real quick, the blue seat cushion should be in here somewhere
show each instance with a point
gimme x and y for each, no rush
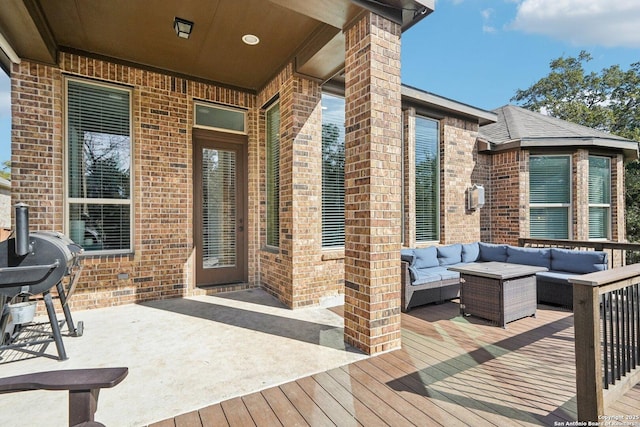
(560, 277)
(450, 254)
(470, 252)
(423, 276)
(425, 257)
(578, 261)
(540, 257)
(492, 252)
(407, 255)
(446, 274)
(431, 275)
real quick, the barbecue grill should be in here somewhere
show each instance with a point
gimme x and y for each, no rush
(32, 264)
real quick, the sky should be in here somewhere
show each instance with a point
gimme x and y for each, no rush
(480, 52)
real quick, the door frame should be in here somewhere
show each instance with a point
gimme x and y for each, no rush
(202, 138)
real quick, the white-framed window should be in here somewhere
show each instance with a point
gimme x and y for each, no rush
(427, 179)
(273, 174)
(219, 117)
(333, 134)
(550, 196)
(599, 197)
(98, 166)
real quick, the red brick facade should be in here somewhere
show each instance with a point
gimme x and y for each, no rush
(379, 183)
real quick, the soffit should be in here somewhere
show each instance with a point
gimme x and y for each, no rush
(141, 32)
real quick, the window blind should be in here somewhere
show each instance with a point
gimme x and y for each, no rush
(427, 146)
(218, 208)
(333, 132)
(549, 196)
(599, 197)
(273, 175)
(98, 166)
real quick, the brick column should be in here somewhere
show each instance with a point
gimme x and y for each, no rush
(580, 195)
(300, 188)
(409, 202)
(618, 226)
(372, 185)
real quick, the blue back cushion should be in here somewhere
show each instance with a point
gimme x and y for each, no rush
(407, 255)
(540, 257)
(450, 254)
(470, 252)
(578, 261)
(426, 257)
(491, 252)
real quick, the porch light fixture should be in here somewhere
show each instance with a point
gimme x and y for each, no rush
(475, 197)
(250, 39)
(183, 27)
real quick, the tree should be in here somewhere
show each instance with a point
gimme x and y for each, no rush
(5, 172)
(608, 101)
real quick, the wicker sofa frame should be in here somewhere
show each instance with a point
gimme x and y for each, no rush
(549, 291)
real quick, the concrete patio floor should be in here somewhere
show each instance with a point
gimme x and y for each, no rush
(182, 354)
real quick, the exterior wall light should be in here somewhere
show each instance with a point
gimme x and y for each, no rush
(475, 197)
(183, 27)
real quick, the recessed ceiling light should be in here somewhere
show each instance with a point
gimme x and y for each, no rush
(250, 39)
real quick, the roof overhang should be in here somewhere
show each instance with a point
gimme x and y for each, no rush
(435, 104)
(628, 148)
(309, 33)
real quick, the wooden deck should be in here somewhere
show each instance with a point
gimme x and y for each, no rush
(451, 371)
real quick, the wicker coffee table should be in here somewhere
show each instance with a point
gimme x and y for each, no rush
(498, 291)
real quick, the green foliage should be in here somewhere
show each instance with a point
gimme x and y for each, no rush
(608, 101)
(5, 172)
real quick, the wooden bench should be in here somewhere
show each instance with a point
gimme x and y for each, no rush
(83, 385)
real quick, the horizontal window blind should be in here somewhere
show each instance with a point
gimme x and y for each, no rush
(273, 175)
(427, 180)
(549, 223)
(550, 179)
(218, 208)
(599, 197)
(99, 166)
(549, 196)
(332, 170)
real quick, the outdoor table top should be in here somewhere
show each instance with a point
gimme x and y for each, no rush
(497, 270)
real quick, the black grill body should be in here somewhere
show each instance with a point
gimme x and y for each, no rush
(31, 265)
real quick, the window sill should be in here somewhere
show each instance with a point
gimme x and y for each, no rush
(332, 254)
(102, 254)
(271, 249)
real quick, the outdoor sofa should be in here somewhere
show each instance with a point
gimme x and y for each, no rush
(427, 279)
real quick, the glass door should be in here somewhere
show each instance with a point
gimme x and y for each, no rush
(219, 193)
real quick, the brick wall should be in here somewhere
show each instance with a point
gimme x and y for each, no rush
(508, 209)
(299, 272)
(460, 170)
(162, 109)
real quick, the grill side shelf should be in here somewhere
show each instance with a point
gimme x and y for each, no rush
(13, 276)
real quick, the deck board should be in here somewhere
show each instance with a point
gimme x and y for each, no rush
(260, 411)
(451, 371)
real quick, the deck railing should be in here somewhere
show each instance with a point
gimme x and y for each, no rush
(620, 254)
(606, 307)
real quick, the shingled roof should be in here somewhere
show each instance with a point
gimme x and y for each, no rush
(518, 127)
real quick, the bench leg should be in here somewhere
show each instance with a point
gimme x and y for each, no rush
(82, 406)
